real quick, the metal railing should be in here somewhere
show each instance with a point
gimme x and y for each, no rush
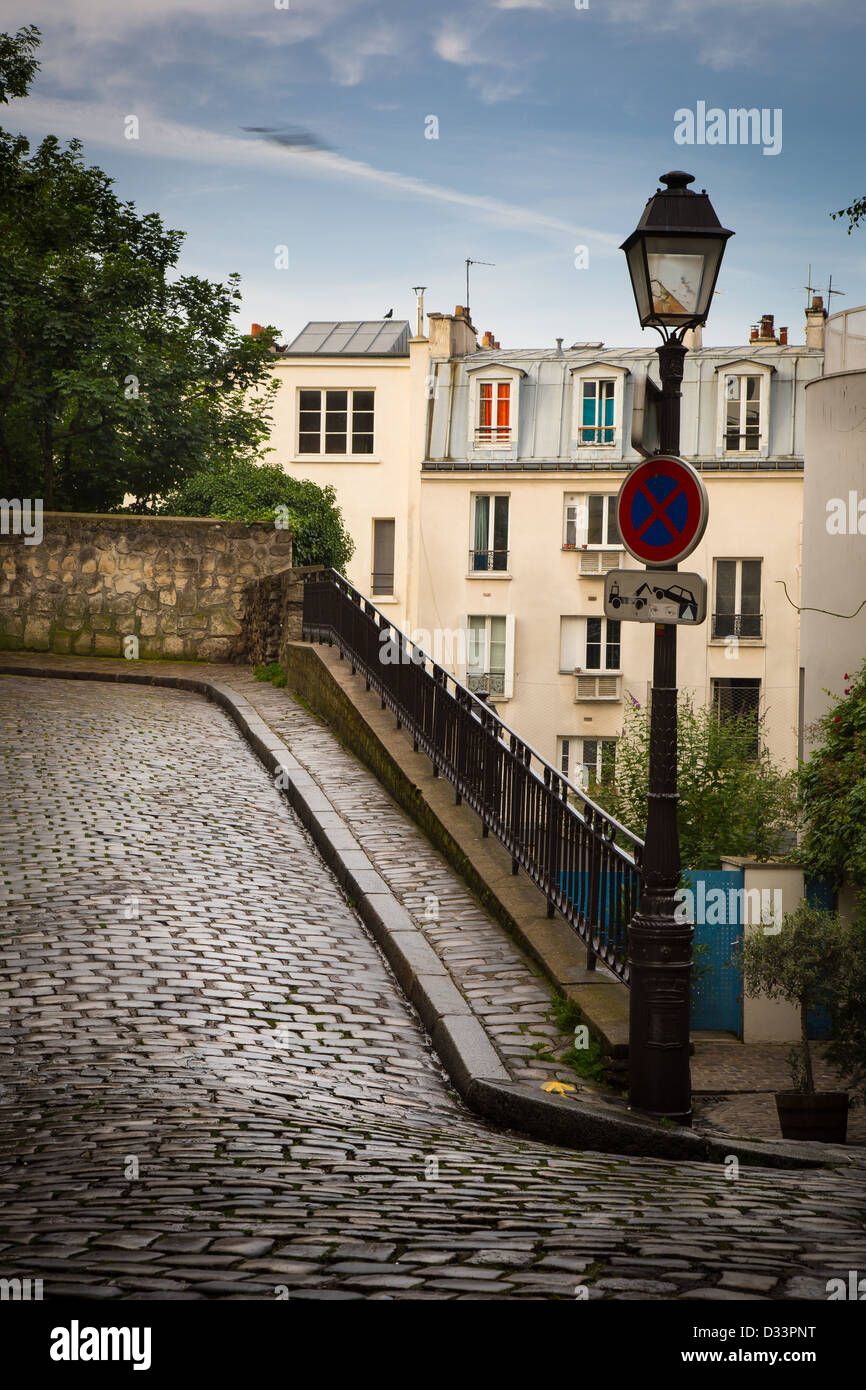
(737, 625)
(488, 560)
(585, 863)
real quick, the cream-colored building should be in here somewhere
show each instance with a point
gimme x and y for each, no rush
(526, 453)
(478, 484)
(344, 416)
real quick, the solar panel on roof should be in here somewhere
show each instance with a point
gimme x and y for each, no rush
(377, 337)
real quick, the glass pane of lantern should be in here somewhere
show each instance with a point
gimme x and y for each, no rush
(675, 282)
(637, 271)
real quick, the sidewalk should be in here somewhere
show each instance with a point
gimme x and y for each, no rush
(733, 1083)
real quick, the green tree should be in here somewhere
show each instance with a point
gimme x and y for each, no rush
(855, 214)
(246, 491)
(832, 786)
(116, 377)
(806, 963)
(733, 800)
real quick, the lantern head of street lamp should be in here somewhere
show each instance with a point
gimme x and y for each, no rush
(674, 255)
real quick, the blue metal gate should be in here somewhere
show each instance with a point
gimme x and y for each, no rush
(716, 909)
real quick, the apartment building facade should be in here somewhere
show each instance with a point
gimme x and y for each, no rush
(479, 485)
(526, 452)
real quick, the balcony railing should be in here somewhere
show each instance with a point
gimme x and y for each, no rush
(737, 625)
(585, 863)
(382, 582)
(493, 434)
(486, 682)
(482, 560)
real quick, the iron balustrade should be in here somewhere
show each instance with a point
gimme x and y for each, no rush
(488, 560)
(737, 625)
(587, 865)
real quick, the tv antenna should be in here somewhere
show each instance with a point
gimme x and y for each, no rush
(469, 262)
(830, 291)
(810, 288)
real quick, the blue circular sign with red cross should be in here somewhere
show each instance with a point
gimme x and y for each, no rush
(662, 510)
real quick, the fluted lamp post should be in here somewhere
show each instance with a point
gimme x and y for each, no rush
(673, 257)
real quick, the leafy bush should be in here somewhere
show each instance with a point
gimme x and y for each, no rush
(832, 786)
(807, 963)
(245, 491)
(274, 673)
(732, 799)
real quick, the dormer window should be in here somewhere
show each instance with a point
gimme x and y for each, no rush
(597, 407)
(742, 413)
(494, 413)
(744, 409)
(597, 412)
(494, 406)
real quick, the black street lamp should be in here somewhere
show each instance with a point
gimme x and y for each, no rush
(673, 256)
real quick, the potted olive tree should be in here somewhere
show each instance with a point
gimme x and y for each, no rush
(805, 962)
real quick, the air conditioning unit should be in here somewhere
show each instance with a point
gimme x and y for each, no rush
(599, 561)
(597, 688)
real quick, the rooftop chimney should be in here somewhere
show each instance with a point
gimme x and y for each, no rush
(766, 335)
(451, 335)
(255, 330)
(815, 317)
(783, 337)
(559, 343)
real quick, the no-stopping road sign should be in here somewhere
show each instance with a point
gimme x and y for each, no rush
(662, 510)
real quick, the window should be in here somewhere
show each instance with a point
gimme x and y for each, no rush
(597, 412)
(490, 655)
(589, 644)
(602, 644)
(335, 422)
(489, 533)
(590, 519)
(382, 578)
(588, 761)
(739, 699)
(737, 610)
(742, 413)
(494, 413)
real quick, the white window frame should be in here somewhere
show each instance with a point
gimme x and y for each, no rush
(382, 595)
(489, 573)
(743, 368)
(579, 641)
(738, 560)
(464, 652)
(597, 371)
(579, 501)
(576, 756)
(494, 372)
(348, 457)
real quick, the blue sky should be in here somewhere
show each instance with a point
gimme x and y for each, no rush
(554, 125)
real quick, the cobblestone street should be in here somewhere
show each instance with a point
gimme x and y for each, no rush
(212, 1086)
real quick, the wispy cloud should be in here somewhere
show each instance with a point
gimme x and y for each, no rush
(172, 140)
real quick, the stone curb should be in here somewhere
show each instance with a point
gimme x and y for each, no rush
(460, 1040)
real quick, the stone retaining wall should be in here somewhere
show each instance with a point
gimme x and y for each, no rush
(274, 609)
(176, 584)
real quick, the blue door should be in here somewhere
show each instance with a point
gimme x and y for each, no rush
(716, 909)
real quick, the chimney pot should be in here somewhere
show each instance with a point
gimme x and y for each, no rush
(255, 330)
(753, 335)
(783, 337)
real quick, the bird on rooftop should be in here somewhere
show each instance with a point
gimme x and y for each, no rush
(390, 314)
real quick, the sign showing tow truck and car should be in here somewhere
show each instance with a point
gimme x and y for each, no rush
(655, 596)
(661, 511)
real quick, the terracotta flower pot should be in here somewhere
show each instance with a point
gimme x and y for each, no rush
(823, 1117)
